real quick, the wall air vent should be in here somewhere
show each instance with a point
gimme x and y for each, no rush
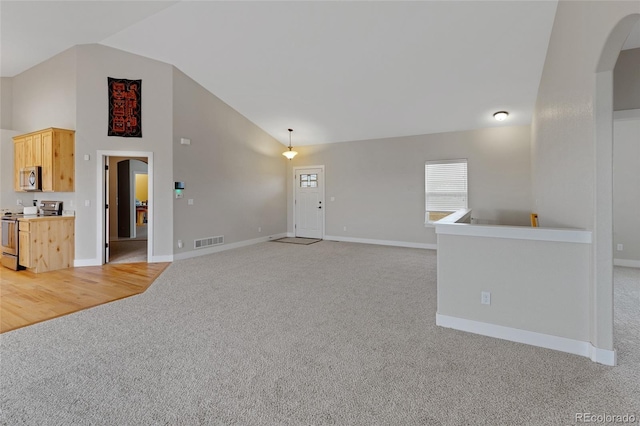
(208, 242)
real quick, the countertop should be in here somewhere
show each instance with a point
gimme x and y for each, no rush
(30, 218)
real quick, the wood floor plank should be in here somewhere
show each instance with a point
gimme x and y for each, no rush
(27, 298)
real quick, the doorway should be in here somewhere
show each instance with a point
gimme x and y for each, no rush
(308, 204)
(125, 184)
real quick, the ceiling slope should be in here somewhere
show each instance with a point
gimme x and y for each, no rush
(340, 71)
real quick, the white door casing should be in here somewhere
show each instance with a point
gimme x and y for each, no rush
(309, 205)
(101, 190)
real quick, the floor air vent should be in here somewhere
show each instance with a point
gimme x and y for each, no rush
(208, 242)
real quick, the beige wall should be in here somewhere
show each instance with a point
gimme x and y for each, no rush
(42, 96)
(379, 185)
(45, 95)
(626, 80)
(95, 64)
(571, 137)
(563, 127)
(626, 188)
(233, 171)
(6, 103)
(538, 286)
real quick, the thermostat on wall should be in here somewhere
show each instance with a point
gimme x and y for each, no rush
(179, 185)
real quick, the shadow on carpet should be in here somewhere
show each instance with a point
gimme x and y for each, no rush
(297, 240)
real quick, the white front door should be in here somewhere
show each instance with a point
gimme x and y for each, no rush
(309, 202)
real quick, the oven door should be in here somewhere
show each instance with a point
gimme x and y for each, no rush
(10, 237)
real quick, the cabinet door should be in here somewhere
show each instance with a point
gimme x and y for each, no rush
(18, 162)
(36, 150)
(47, 161)
(28, 147)
(24, 243)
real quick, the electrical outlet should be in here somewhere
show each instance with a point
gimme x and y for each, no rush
(19, 203)
(345, 228)
(190, 201)
(179, 243)
(620, 247)
(259, 228)
(485, 298)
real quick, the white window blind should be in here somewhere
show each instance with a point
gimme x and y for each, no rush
(445, 185)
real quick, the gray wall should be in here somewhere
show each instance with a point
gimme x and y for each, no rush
(563, 126)
(378, 185)
(95, 64)
(626, 189)
(233, 171)
(6, 103)
(42, 96)
(45, 95)
(538, 286)
(567, 118)
(626, 80)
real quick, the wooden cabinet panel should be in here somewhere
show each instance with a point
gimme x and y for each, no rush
(24, 255)
(18, 161)
(35, 152)
(52, 149)
(47, 161)
(47, 244)
(63, 163)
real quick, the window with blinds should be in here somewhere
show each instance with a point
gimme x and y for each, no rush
(445, 185)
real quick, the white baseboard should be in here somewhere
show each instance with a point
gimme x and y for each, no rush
(627, 262)
(382, 242)
(576, 347)
(223, 247)
(77, 263)
(163, 258)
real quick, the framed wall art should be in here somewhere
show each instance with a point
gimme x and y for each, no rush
(125, 108)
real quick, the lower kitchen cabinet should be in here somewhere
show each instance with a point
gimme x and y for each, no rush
(46, 243)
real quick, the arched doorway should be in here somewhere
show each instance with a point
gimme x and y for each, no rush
(602, 295)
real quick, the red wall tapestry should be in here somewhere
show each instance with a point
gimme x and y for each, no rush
(125, 107)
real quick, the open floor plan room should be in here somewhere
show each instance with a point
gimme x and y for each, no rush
(327, 333)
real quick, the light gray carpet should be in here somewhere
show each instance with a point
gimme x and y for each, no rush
(269, 334)
(297, 240)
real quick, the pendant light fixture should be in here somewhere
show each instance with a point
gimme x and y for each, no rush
(290, 154)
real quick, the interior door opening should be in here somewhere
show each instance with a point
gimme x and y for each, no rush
(127, 229)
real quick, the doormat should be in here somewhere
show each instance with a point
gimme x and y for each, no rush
(297, 240)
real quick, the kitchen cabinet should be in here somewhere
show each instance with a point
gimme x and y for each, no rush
(46, 243)
(52, 149)
(18, 161)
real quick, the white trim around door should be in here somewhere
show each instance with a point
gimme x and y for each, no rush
(101, 163)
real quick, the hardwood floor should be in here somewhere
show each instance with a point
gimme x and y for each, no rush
(27, 298)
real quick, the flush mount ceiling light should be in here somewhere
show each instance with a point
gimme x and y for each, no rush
(290, 154)
(501, 115)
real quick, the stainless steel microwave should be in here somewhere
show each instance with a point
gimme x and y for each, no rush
(31, 178)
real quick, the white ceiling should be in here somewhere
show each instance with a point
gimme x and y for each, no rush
(332, 71)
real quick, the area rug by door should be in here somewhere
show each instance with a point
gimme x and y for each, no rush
(297, 240)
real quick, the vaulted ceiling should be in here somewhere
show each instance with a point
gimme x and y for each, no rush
(332, 71)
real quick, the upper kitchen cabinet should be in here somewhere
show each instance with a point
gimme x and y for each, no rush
(52, 149)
